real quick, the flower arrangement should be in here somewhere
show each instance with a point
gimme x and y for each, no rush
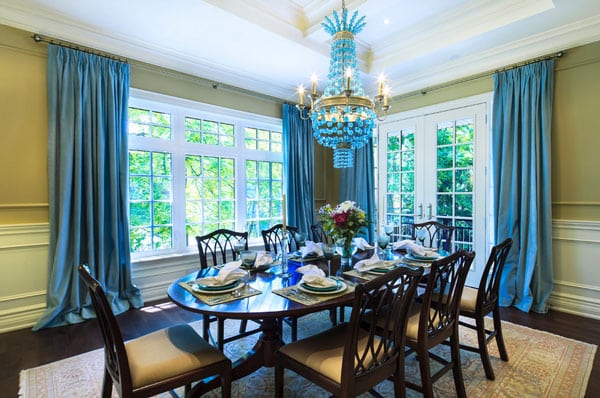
(342, 223)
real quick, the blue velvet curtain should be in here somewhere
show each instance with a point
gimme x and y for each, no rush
(358, 184)
(298, 166)
(521, 177)
(87, 166)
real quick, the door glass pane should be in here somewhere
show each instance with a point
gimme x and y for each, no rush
(455, 156)
(400, 177)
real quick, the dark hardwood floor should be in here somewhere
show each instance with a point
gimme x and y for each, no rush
(24, 349)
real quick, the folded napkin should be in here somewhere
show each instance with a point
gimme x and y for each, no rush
(311, 249)
(410, 247)
(315, 276)
(369, 263)
(229, 273)
(262, 259)
(362, 244)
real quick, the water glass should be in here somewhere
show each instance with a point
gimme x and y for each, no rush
(328, 253)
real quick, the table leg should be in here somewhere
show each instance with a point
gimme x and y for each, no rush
(262, 354)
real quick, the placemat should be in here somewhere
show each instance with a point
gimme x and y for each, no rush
(214, 299)
(299, 296)
(362, 275)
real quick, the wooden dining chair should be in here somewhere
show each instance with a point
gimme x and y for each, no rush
(156, 362)
(352, 358)
(218, 247)
(438, 235)
(272, 238)
(319, 234)
(434, 320)
(476, 303)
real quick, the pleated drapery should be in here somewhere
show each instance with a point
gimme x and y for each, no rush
(298, 166)
(521, 177)
(88, 172)
(358, 184)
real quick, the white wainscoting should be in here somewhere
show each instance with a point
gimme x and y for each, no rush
(576, 254)
(24, 251)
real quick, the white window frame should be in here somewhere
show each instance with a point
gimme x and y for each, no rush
(180, 108)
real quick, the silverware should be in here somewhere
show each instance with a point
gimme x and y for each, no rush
(295, 292)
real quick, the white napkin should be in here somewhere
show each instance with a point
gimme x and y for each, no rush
(315, 276)
(229, 273)
(311, 249)
(369, 263)
(362, 244)
(262, 259)
(410, 247)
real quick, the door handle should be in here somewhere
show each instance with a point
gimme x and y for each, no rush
(429, 211)
(420, 214)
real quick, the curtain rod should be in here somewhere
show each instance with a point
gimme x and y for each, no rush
(39, 39)
(424, 91)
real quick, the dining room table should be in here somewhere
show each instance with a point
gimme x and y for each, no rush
(266, 298)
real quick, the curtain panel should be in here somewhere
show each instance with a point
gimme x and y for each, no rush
(298, 167)
(358, 184)
(88, 184)
(522, 115)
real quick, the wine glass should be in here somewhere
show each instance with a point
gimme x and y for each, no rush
(239, 245)
(383, 240)
(388, 229)
(421, 235)
(328, 252)
(300, 239)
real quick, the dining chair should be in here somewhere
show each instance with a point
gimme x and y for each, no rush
(351, 358)
(156, 362)
(436, 235)
(319, 234)
(218, 247)
(272, 238)
(434, 319)
(476, 303)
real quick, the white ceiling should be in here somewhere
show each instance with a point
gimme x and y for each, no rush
(272, 46)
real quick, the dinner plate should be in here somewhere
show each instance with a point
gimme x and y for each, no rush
(341, 287)
(379, 270)
(196, 288)
(216, 288)
(428, 259)
(316, 288)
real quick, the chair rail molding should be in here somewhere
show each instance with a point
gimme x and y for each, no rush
(576, 249)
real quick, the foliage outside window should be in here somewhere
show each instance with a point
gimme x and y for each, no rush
(194, 168)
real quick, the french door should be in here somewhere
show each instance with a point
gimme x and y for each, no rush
(432, 166)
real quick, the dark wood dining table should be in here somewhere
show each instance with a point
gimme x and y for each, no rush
(267, 308)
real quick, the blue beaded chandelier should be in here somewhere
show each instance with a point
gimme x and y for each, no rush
(343, 118)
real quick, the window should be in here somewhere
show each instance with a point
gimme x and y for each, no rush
(194, 168)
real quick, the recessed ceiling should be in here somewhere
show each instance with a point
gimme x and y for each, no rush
(272, 46)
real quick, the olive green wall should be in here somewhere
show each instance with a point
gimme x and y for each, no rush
(575, 131)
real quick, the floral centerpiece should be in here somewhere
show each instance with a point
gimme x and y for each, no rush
(342, 223)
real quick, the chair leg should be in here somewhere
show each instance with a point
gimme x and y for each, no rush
(220, 333)
(426, 382)
(333, 316)
(206, 327)
(279, 381)
(243, 325)
(294, 327)
(226, 384)
(459, 382)
(483, 351)
(107, 384)
(499, 336)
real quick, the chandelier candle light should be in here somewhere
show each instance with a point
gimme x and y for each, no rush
(343, 118)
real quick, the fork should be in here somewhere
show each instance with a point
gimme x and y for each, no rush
(295, 292)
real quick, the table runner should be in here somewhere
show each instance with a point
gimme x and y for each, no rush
(214, 299)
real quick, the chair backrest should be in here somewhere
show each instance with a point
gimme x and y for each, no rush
(489, 285)
(441, 300)
(218, 246)
(438, 235)
(115, 356)
(372, 346)
(319, 234)
(272, 238)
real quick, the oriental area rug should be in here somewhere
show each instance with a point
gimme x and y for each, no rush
(540, 364)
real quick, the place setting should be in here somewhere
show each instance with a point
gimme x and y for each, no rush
(372, 267)
(315, 286)
(229, 284)
(417, 254)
